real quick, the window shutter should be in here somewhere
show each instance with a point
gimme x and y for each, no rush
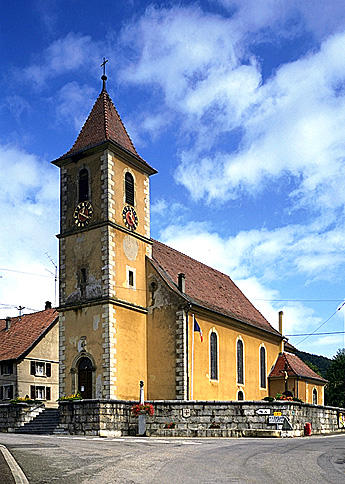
(48, 369)
(1, 393)
(10, 393)
(32, 392)
(129, 188)
(2, 369)
(47, 393)
(33, 368)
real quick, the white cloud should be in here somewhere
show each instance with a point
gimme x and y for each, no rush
(74, 103)
(159, 207)
(319, 17)
(69, 53)
(29, 204)
(291, 124)
(260, 260)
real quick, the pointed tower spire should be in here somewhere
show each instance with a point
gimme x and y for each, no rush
(103, 125)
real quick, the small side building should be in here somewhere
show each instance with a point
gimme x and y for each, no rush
(291, 374)
(29, 357)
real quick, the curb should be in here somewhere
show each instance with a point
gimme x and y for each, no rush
(17, 473)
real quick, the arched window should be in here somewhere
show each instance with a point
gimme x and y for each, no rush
(214, 356)
(240, 395)
(263, 367)
(129, 188)
(83, 185)
(240, 363)
(314, 396)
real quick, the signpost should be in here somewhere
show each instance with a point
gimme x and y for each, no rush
(263, 411)
(281, 421)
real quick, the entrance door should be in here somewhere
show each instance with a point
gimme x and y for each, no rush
(85, 377)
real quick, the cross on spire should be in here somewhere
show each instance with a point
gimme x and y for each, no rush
(104, 77)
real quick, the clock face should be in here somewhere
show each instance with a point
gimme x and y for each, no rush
(82, 214)
(130, 217)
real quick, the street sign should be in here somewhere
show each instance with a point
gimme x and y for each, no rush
(276, 419)
(277, 414)
(263, 411)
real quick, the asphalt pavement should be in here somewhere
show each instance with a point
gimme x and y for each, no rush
(77, 459)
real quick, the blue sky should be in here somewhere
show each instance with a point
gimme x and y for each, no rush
(240, 106)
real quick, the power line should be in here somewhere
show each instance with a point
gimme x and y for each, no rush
(300, 300)
(315, 334)
(23, 272)
(335, 312)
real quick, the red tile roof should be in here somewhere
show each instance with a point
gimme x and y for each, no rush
(295, 367)
(24, 333)
(103, 124)
(207, 287)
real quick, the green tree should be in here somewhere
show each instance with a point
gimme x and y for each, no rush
(335, 392)
(313, 367)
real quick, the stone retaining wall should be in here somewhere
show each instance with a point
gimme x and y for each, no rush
(179, 418)
(13, 416)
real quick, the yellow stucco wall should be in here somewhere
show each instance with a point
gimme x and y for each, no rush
(79, 324)
(300, 388)
(47, 350)
(114, 337)
(130, 353)
(226, 387)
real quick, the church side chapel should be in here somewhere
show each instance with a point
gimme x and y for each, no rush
(132, 308)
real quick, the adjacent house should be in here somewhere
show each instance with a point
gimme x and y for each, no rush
(29, 356)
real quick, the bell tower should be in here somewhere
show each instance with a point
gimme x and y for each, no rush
(103, 242)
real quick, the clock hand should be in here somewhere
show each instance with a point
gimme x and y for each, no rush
(83, 214)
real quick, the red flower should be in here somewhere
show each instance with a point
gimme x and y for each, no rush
(143, 409)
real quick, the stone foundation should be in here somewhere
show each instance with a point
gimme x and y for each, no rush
(178, 418)
(14, 416)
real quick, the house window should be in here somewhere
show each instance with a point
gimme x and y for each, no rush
(6, 392)
(40, 368)
(263, 383)
(314, 396)
(6, 368)
(129, 188)
(214, 356)
(39, 392)
(83, 185)
(240, 362)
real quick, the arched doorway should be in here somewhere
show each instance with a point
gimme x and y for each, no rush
(85, 369)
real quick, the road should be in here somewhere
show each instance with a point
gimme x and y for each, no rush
(76, 459)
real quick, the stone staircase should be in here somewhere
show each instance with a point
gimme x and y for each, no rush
(44, 423)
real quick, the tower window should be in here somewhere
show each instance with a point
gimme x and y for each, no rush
(214, 355)
(83, 185)
(83, 281)
(240, 362)
(130, 277)
(129, 188)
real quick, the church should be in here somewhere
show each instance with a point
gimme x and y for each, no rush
(133, 309)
